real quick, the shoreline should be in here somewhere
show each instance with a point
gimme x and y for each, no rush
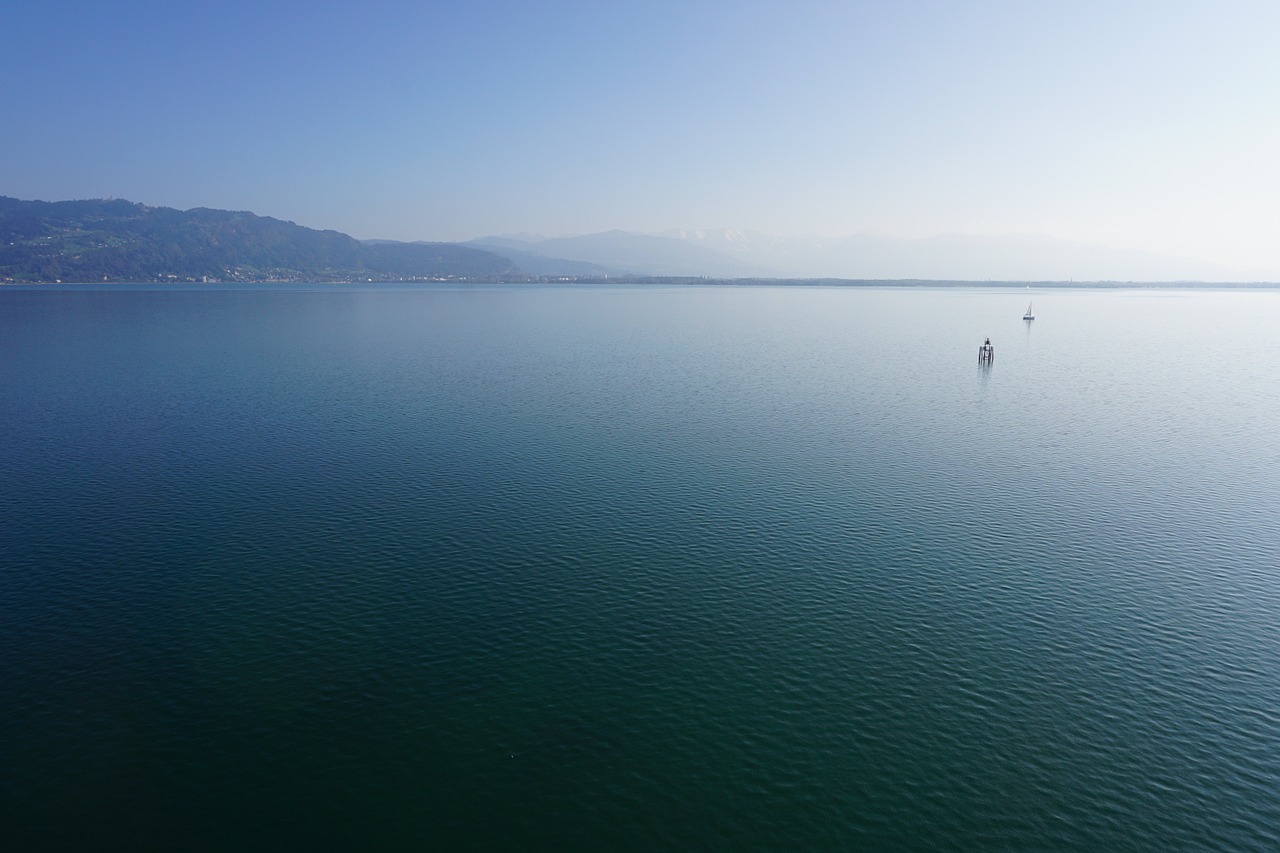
(656, 281)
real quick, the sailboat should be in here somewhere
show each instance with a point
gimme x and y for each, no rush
(1028, 315)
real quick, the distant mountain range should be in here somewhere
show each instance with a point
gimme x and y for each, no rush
(1023, 257)
(117, 240)
(732, 253)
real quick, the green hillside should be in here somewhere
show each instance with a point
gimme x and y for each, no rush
(121, 241)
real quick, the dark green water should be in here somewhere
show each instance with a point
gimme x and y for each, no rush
(610, 569)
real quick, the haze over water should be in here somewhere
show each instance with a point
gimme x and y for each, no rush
(639, 568)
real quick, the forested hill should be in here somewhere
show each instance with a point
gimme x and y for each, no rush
(118, 240)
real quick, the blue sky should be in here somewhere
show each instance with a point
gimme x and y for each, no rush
(1150, 125)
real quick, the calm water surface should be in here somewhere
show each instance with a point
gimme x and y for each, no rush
(639, 568)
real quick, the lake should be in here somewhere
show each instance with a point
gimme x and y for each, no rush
(639, 568)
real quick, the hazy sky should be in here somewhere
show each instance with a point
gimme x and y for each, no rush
(1152, 125)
